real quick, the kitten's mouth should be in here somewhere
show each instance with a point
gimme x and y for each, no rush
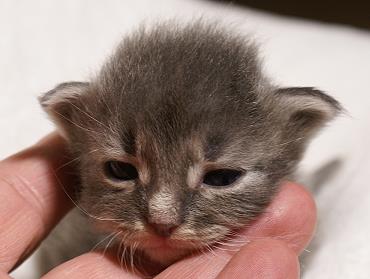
(162, 250)
(172, 246)
(163, 243)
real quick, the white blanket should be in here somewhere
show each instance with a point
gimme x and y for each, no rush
(46, 42)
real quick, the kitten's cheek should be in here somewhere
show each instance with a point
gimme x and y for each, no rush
(291, 217)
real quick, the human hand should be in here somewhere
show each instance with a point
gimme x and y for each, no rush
(32, 202)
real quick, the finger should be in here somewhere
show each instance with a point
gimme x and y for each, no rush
(290, 217)
(90, 265)
(31, 198)
(4, 275)
(263, 259)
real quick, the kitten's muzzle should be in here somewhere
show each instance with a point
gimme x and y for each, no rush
(163, 230)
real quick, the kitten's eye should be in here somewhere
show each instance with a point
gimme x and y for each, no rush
(121, 170)
(221, 177)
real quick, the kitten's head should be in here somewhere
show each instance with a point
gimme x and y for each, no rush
(181, 139)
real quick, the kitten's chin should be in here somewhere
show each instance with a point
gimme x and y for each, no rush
(166, 251)
(166, 256)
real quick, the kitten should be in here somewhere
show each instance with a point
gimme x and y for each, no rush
(180, 140)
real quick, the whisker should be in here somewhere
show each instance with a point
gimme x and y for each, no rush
(74, 160)
(100, 242)
(212, 250)
(79, 126)
(131, 258)
(240, 238)
(91, 117)
(118, 254)
(226, 244)
(123, 257)
(122, 250)
(225, 249)
(110, 241)
(134, 269)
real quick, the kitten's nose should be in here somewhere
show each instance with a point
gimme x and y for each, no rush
(164, 230)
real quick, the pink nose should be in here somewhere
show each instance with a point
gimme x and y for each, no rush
(164, 230)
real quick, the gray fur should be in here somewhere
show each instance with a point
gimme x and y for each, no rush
(178, 97)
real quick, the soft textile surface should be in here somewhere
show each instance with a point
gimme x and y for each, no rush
(46, 42)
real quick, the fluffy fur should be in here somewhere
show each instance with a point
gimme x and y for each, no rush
(175, 102)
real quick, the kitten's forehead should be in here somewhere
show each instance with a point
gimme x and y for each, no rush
(173, 136)
(169, 153)
(181, 92)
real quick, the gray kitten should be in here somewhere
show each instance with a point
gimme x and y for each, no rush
(180, 140)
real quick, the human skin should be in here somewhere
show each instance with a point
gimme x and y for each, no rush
(32, 201)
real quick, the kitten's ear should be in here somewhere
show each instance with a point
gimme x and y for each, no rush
(60, 103)
(306, 109)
